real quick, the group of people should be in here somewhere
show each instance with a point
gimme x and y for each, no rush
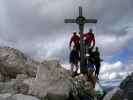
(92, 62)
(92, 55)
(89, 70)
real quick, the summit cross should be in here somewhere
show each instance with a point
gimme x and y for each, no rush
(81, 21)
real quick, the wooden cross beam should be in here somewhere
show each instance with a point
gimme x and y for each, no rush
(81, 20)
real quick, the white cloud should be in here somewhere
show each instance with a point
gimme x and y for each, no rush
(117, 70)
(30, 25)
(106, 67)
(111, 43)
(113, 71)
(51, 47)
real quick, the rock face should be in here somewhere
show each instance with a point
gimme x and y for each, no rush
(8, 96)
(13, 62)
(115, 93)
(13, 87)
(51, 82)
(24, 97)
(1, 77)
(55, 83)
(125, 91)
(21, 77)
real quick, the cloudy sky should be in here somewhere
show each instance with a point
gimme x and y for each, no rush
(37, 28)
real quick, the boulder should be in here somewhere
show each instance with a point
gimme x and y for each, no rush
(52, 81)
(21, 87)
(8, 96)
(13, 87)
(24, 97)
(1, 78)
(21, 76)
(55, 83)
(7, 87)
(13, 62)
(5, 95)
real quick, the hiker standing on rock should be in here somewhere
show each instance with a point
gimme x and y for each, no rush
(97, 61)
(74, 60)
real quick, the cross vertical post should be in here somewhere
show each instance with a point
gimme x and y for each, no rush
(81, 20)
(81, 29)
(80, 11)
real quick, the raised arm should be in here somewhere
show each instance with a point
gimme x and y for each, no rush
(94, 42)
(70, 43)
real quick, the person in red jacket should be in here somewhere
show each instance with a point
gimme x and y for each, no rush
(89, 40)
(76, 40)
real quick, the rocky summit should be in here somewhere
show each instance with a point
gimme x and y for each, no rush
(22, 78)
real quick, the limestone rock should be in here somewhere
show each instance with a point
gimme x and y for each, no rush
(60, 90)
(24, 97)
(51, 79)
(13, 87)
(13, 62)
(5, 95)
(55, 83)
(8, 96)
(21, 87)
(1, 78)
(47, 79)
(21, 76)
(7, 87)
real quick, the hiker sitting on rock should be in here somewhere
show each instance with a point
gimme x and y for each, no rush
(74, 59)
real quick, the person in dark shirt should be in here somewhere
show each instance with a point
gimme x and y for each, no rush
(97, 60)
(74, 59)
